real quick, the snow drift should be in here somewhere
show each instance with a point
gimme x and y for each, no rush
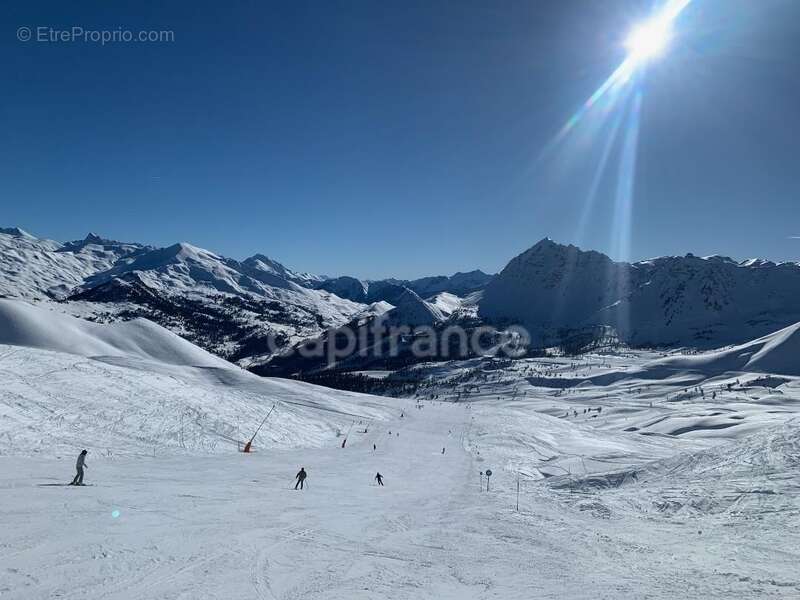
(22, 324)
(777, 352)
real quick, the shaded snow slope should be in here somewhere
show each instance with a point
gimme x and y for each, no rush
(777, 353)
(459, 284)
(410, 309)
(701, 302)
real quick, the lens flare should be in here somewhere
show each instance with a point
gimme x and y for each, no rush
(649, 39)
(645, 42)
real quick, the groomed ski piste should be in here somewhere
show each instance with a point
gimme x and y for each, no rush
(684, 484)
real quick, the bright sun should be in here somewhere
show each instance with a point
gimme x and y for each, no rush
(648, 40)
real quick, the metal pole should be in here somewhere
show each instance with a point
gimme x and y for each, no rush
(248, 444)
(262, 423)
(517, 493)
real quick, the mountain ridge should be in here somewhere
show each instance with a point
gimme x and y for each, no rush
(671, 300)
(246, 310)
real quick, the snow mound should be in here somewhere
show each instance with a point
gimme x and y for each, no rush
(774, 353)
(23, 324)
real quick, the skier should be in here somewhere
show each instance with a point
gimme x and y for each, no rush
(374, 447)
(344, 441)
(379, 479)
(80, 465)
(301, 477)
(443, 450)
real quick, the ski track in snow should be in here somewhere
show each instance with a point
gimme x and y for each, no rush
(669, 492)
(194, 527)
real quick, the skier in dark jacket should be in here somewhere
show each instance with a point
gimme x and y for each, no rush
(379, 479)
(301, 477)
(80, 465)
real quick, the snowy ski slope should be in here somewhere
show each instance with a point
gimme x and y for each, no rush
(683, 485)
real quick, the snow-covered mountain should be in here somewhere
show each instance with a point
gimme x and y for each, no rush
(269, 271)
(248, 310)
(347, 287)
(460, 284)
(239, 310)
(37, 268)
(410, 309)
(685, 300)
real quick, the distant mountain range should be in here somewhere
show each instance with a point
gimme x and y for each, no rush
(668, 301)
(358, 290)
(243, 311)
(251, 310)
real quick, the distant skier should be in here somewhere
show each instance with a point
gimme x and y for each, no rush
(379, 479)
(443, 450)
(344, 441)
(374, 447)
(301, 477)
(80, 465)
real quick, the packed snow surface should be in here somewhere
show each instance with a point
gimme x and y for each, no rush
(632, 485)
(22, 324)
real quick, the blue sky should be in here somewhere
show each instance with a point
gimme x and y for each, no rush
(398, 138)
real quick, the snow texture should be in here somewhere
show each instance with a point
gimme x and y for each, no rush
(682, 485)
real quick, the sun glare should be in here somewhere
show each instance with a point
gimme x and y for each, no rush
(648, 40)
